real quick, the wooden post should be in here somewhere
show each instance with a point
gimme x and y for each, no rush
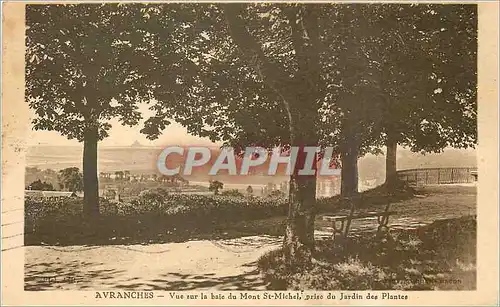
(426, 177)
(452, 176)
(439, 176)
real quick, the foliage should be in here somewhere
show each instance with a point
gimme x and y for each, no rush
(153, 194)
(257, 74)
(249, 190)
(438, 256)
(81, 66)
(414, 75)
(71, 179)
(233, 193)
(416, 69)
(85, 65)
(215, 186)
(153, 213)
(110, 194)
(295, 74)
(119, 175)
(47, 175)
(41, 186)
(151, 200)
(277, 193)
(178, 216)
(239, 107)
(174, 180)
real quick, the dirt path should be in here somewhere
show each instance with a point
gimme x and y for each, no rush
(435, 203)
(216, 265)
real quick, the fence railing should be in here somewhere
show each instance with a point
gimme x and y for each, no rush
(447, 175)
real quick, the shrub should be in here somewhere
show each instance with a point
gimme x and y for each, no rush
(153, 212)
(277, 193)
(215, 186)
(351, 274)
(153, 193)
(41, 186)
(233, 192)
(150, 201)
(108, 207)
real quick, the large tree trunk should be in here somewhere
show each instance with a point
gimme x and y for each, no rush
(390, 162)
(299, 235)
(349, 171)
(300, 98)
(90, 180)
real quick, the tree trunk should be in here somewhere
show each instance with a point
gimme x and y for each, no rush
(300, 95)
(390, 162)
(299, 235)
(90, 180)
(349, 171)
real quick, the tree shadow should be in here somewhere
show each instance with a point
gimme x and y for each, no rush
(113, 232)
(51, 276)
(81, 275)
(177, 282)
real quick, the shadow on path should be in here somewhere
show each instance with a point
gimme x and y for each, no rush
(178, 281)
(51, 276)
(216, 265)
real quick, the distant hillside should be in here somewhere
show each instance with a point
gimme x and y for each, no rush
(142, 160)
(449, 158)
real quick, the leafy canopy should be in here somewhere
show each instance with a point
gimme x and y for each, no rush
(86, 64)
(403, 68)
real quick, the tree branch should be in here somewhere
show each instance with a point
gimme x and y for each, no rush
(294, 19)
(272, 74)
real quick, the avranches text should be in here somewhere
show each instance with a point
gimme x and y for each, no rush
(124, 295)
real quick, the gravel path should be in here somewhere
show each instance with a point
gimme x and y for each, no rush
(216, 265)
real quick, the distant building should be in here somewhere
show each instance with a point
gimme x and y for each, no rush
(474, 174)
(134, 178)
(49, 194)
(104, 175)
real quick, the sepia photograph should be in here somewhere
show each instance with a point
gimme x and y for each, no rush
(267, 147)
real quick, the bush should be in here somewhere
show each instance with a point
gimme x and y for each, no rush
(277, 193)
(349, 275)
(152, 213)
(41, 186)
(153, 193)
(150, 201)
(234, 193)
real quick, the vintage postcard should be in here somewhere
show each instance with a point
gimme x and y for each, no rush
(250, 153)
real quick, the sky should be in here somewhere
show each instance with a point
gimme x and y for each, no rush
(120, 135)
